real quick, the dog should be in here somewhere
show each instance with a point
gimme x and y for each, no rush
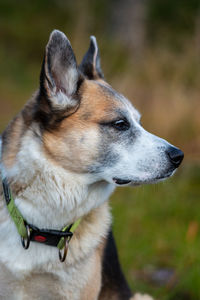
(62, 156)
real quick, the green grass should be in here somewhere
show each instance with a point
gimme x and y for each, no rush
(157, 227)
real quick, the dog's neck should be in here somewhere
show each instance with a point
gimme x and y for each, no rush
(49, 196)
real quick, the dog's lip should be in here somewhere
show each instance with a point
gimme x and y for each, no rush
(153, 180)
(121, 181)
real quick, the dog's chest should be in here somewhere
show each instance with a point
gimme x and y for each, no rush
(80, 281)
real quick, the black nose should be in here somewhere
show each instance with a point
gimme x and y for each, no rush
(175, 155)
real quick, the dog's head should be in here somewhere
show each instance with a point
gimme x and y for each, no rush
(88, 127)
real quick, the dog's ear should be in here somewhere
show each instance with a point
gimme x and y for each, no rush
(59, 79)
(90, 65)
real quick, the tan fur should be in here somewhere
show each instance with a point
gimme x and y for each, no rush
(90, 225)
(15, 129)
(141, 297)
(69, 144)
(93, 287)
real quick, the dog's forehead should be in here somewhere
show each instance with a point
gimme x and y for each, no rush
(128, 109)
(105, 98)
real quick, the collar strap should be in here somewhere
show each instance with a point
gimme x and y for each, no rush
(30, 232)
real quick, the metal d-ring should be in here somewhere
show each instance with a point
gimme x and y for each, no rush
(26, 242)
(63, 253)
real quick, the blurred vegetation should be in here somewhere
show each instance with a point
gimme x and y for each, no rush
(157, 228)
(150, 52)
(172, 21)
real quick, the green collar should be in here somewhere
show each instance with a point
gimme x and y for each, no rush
(28, 232)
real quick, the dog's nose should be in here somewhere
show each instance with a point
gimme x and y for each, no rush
(175, 155)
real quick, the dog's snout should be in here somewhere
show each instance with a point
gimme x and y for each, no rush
(175, 155)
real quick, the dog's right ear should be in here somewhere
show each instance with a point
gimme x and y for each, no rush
(59, 79)
(90, 65)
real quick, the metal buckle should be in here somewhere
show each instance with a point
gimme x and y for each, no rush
(63, 255)
(26, 242)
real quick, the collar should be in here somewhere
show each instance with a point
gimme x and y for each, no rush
(30, 233)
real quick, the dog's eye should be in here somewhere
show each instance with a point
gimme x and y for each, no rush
(121, 125)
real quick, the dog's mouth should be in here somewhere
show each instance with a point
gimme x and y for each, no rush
(121, 181)
(136, 182)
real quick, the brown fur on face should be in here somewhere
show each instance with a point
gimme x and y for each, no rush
(75, 142)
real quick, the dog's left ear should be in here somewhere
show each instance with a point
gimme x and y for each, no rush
(90, 65)
(60, 77)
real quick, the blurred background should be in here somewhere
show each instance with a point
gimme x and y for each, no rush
(150, 52)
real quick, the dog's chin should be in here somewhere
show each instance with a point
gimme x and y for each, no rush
(141, 181)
